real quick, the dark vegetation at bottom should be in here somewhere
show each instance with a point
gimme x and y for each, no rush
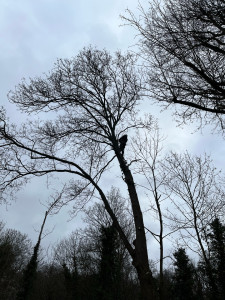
(101, 269)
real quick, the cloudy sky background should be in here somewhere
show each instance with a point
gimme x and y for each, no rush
(33, 35)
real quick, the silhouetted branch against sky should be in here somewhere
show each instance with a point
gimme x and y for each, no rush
(182, 44)
(95, 97)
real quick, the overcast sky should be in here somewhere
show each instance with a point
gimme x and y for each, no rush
(33, 35)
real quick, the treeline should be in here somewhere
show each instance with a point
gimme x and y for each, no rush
(93, 264)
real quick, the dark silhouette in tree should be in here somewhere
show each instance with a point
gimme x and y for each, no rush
(123, 142)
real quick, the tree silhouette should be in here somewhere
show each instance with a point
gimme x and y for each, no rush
(183, 276)
(182, 43)
(217, 254)
(94, 98)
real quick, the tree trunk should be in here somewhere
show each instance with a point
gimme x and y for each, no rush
(147, 285)
(140, 259)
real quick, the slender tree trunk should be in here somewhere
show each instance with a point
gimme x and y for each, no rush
(157, 198)
(161, 275)
(31, 268)
(214, 290)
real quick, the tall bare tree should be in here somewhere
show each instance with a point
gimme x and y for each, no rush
(183, 44)
(147, 149)
(196, 191)
(92, 101)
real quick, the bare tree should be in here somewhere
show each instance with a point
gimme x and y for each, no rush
(182, 43)
(92, 100)
(97, 218)
(83, 251)
(194, 187)
(147, 149)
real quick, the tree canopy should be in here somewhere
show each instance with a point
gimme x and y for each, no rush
(94, 98)
(182, 43)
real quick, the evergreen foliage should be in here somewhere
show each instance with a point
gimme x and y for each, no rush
(108, 277)
(110, 268)
(216, 236)
(183, 276)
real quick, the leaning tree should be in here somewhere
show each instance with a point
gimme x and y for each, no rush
(91, 102)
